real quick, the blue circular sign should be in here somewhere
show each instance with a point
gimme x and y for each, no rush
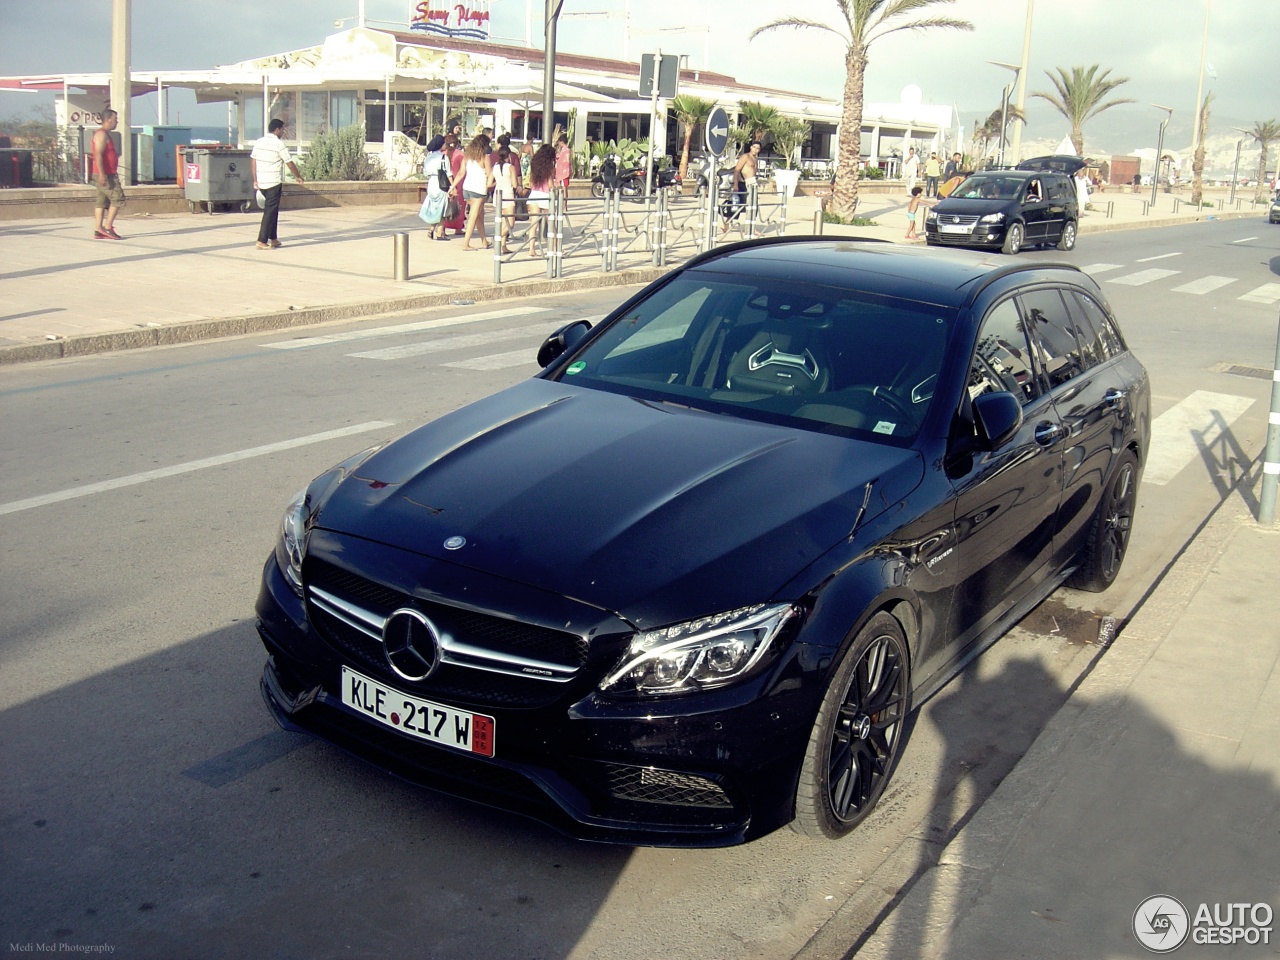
(717, 132)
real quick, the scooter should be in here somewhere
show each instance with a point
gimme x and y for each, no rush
(629, 180)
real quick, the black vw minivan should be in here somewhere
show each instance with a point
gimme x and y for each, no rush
(1031, 205)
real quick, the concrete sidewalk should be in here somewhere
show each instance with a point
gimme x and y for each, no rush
(1160, 776)
(185, 277)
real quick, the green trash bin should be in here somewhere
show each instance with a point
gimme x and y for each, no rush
(218, 177)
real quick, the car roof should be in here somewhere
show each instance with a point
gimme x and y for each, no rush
(942, 277)
(1017, 174)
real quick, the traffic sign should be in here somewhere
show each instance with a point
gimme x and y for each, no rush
(717, 132)
(668, 75)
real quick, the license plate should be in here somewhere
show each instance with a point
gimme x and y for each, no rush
(953, 228)
(447, 726)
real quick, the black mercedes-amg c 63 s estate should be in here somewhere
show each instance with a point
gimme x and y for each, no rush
(687, 584)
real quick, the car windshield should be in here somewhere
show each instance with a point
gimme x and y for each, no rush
(987, 187)
(808, 356)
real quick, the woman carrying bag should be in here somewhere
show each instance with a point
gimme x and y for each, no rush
(454, 212)
(436, 170)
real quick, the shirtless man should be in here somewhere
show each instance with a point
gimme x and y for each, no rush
(744, 173)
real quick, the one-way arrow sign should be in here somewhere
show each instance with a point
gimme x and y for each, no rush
(717, 132)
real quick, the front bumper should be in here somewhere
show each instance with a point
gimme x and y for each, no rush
(708, 770)
(982, 235)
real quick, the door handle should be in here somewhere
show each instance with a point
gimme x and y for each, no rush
(1113, 396)
(1048, 433)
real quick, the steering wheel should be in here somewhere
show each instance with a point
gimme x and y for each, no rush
(886, 400)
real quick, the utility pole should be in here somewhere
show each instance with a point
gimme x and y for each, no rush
(121, 85)
(549, 69)
(1022, 84)
(1204, 55)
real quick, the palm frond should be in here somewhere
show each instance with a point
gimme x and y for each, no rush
(798, 23)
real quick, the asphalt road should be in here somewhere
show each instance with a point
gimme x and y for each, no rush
(149, 802)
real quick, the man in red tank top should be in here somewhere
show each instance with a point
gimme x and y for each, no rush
(103, 168)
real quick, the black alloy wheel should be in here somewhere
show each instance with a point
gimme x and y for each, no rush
(858, 734)
(1108, 542)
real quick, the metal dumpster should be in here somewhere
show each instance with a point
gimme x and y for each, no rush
(218, 176)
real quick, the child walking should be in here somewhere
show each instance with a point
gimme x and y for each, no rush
(915, 212)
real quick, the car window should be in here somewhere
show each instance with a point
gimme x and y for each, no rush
(1053, 335)
(1034, 193)
(1097, 335)
(1002, 359)
(988, 187)
(808, 355)
(1060, 190)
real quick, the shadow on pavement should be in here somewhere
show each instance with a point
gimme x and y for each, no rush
(1120, 808)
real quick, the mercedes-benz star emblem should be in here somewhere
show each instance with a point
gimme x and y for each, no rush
(455, 543)
(412, 644)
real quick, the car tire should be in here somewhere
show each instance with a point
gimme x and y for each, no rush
(1012, 238)
(597, 189)
(1109, 530)
(858, 734)
(1068, 239)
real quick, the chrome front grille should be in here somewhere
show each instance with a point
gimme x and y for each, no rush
(483, 658)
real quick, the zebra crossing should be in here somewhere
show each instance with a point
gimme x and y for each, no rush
(449, 342)
(1267, 293)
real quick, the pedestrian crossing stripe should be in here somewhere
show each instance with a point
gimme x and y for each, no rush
(1181, 433)
(1204, 285)
(496, 361)
(1267, 293)
(1144, 277)
(402, 328)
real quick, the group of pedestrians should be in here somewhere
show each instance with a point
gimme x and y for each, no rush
(936, 173)
(461, 180)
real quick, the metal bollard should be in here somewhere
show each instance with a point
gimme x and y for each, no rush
(496, 239)
(1271, 460)
(817, 222)
(1111, 209)
(1146, 207)
(400, 257)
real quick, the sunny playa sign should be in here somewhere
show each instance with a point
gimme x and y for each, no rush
(467, 20)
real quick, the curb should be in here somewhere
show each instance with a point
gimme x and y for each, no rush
(197, 330)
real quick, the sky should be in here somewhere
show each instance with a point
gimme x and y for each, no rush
(1158, 52)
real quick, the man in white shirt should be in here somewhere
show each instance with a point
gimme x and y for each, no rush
(911, 169)
(269, 158)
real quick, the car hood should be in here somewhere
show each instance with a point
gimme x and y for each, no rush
(653, 511)
(968, 208)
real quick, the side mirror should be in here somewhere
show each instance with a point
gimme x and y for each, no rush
(562, 341)
(997, 417)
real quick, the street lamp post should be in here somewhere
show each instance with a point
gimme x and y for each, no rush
(549, 69)
(1004, 100)
(1235, 171)
(1022, 83)
(1155, 179)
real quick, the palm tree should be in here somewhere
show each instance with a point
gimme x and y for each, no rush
(1197, 158)
(690, 111)
(1264, 133)
(757, 117)
(1079, 97)
(865, 22)
(990, 129)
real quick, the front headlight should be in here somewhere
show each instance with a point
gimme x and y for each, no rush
(292, 544)
(993, 218)
(931, 215)
(700, 654)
